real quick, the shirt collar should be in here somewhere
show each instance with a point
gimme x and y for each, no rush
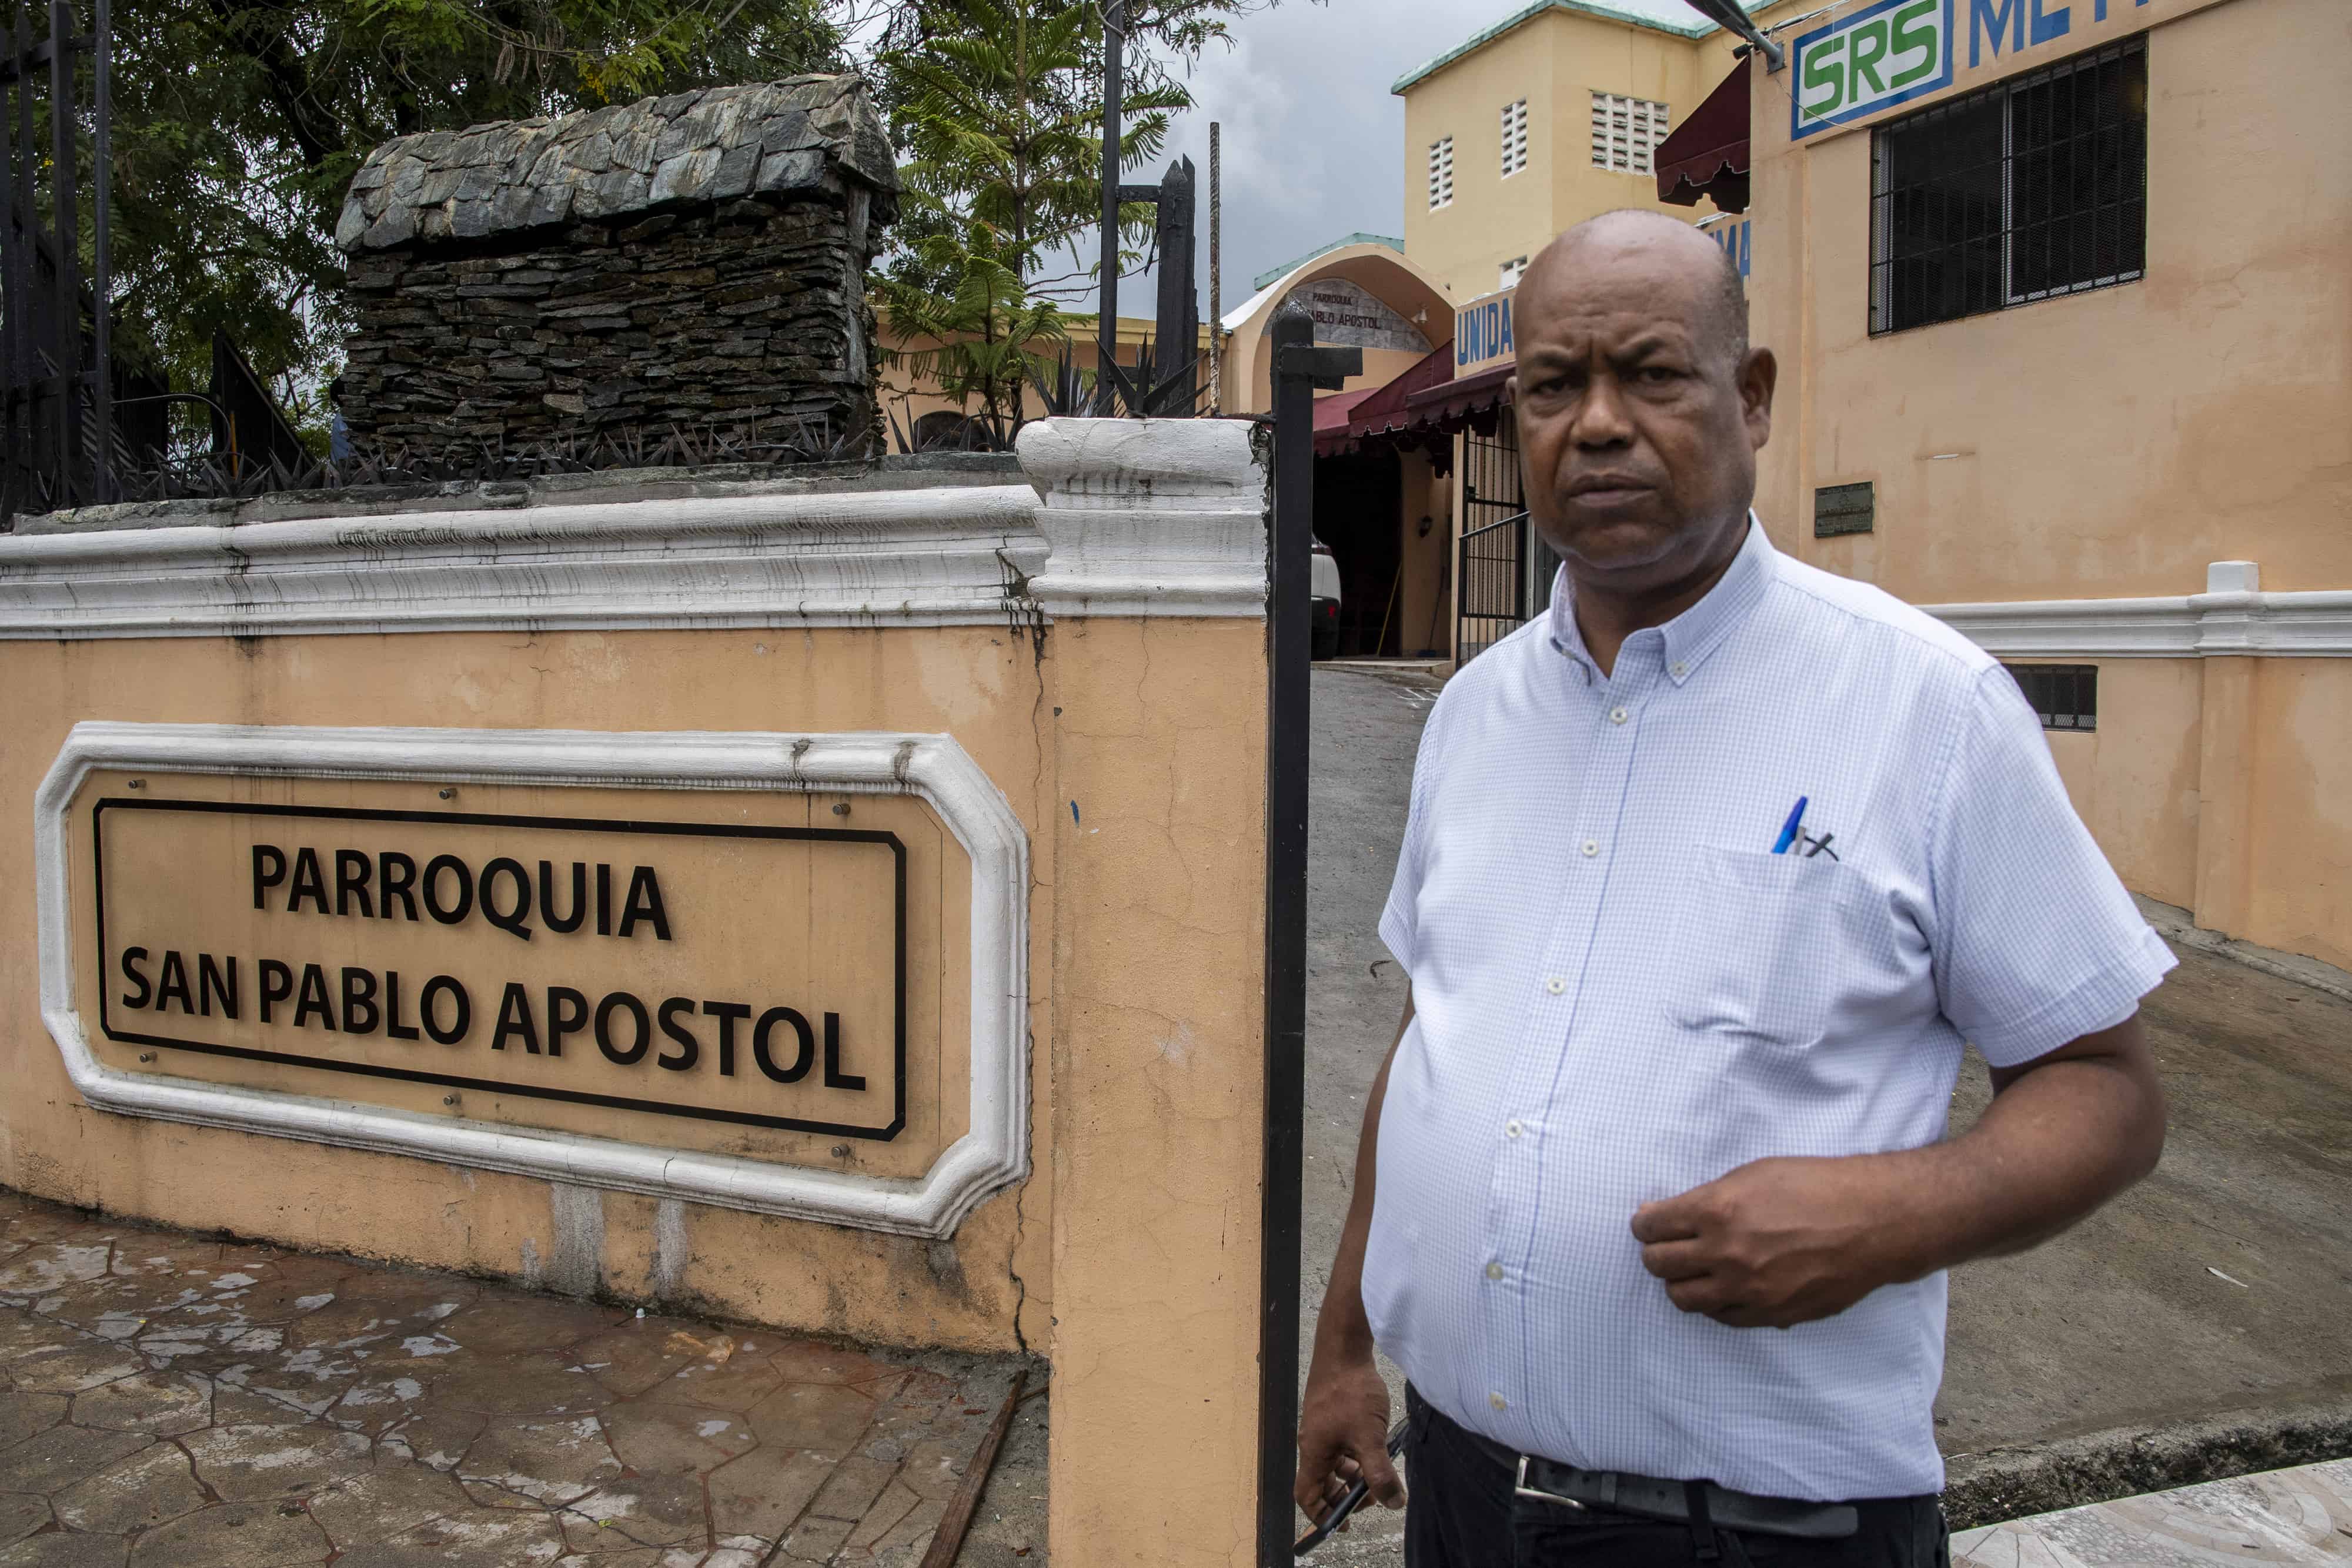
(1697, 631)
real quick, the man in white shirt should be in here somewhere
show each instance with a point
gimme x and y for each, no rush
(1710, 875)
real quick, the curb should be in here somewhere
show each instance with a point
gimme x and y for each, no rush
(2125, 1461)
(2176, 926)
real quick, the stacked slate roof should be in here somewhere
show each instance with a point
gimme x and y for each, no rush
(783, 139)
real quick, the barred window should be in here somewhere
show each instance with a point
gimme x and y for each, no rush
(1625, 131)
(1509, 274)
(2065, 697)
(1441, 173)
(2034, 187)
(1515, 136)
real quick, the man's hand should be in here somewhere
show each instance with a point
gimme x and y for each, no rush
(1343, 1432)
(1774, 1243)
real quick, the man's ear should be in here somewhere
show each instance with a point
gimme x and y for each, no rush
(1760, 375)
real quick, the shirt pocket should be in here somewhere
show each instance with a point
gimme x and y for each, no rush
(1760, 944)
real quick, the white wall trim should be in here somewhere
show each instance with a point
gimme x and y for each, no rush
(991, 1154)
(1122, 517)
(2232, 619)
(937, 557)
(1149, 517)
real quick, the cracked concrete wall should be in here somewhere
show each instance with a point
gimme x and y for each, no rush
(995, 1289)
(1158, 954)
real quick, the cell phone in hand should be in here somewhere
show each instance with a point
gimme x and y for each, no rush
(1350, 1500)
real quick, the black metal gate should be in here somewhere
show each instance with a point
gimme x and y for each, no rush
(1497, 569)
(56, 376)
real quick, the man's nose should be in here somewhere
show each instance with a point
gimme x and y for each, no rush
(1600, 419)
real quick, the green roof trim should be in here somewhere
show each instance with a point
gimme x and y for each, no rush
(1699, 27)
(1263, 278)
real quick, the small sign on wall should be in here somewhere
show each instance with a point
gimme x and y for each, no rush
(1348, 314)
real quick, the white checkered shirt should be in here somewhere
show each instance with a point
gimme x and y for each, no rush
(1619, 994)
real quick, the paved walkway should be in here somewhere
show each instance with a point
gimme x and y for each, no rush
(173, 1402)
(2295, 1516)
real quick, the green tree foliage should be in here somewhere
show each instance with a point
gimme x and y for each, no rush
(238, 124)
(997, 107)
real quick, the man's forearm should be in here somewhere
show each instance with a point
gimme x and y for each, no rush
(2060, 1138)
(1793, 1239)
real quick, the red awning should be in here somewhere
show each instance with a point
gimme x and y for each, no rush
(1381, 409)
(1708, 155)
(1331, 413)
(1450, 405)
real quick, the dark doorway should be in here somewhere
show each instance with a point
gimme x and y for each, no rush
(1358, 499)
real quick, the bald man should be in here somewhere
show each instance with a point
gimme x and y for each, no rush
(1710, 874)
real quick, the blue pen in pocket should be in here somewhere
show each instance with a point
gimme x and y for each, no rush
(1788, 829)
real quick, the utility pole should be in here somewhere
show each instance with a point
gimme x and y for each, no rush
(1216, 286)
(1114, 13)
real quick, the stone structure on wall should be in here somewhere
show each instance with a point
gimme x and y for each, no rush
(693, 262)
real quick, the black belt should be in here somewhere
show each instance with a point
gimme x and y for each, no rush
(1647, 1497)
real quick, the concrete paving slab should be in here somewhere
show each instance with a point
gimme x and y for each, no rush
(183, 1401)
(2301, 1515)
(2194, 1329)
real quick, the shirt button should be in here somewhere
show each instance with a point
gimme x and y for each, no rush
(1591, 847)
(1679, 671)
(1499, 1402)
(1494, 1270)
(1555, 985)
(1616, 715)
(1512, 1129)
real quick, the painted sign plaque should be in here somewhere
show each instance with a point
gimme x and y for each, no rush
(1350, 313)
(1884, 55)
(787, 976)
(738, 973)
(1482, 334)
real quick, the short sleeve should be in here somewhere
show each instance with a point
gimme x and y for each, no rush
(2036, 942)
(1400, 921)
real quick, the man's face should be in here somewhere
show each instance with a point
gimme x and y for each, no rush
(1638, 429)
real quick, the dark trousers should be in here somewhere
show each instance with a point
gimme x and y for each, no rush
(1461, 1514)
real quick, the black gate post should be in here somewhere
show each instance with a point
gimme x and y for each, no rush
(1299, 368)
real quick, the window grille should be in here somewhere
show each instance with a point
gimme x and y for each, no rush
(2034, 187)
(1625, 131)
(1441, 173)
(1510, 274)
(2065, 697)
(1515, 136)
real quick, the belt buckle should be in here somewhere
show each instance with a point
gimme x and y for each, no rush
(1521, 1488)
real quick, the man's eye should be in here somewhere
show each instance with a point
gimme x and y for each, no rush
(1658, 375)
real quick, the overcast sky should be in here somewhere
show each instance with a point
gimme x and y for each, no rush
(1313, 139)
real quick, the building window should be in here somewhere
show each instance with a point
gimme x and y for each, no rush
(1624, 131)
(2032, 188)
(2065, 697)
(1515, 136)
(1512, 271)
(1441, 173)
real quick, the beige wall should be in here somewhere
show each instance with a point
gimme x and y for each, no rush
(1131, 748)
(2111, 443)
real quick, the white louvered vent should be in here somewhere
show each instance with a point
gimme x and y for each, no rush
(1441, 173)
(1625, 131)
(1515, 136)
